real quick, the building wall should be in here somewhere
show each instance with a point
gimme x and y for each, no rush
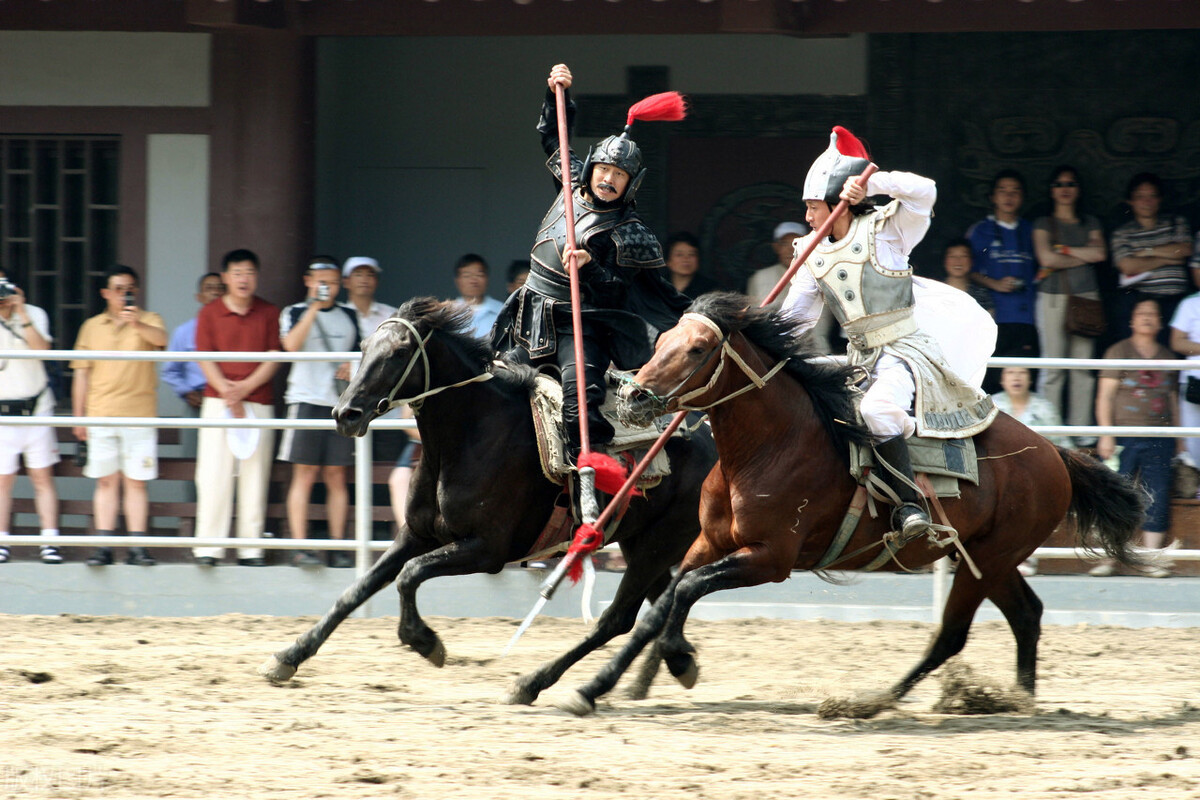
(50, 68)
(138, 85)
(426, 148)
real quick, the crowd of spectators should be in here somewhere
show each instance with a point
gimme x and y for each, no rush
(1042, 279)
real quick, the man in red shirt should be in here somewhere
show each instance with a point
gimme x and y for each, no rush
(239, 321)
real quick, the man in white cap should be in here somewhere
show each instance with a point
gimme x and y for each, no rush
(763, 281)
(360, 276)
(906, 331)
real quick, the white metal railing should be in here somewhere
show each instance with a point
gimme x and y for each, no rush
(363, 545)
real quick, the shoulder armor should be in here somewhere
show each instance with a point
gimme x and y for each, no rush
(637, 246)
(554, 164)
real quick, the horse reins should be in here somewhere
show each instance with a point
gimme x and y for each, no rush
(756, 381)
(415, 402)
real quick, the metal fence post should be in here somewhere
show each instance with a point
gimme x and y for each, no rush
(363, 505)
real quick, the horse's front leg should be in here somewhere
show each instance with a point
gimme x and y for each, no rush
(282, 666)
(640, 580)
(464, 557)
(750, 566)
(583, 701)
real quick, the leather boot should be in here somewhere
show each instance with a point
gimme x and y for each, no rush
(909, 518)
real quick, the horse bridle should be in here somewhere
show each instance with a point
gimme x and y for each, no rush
(415, 402)
(725, 349)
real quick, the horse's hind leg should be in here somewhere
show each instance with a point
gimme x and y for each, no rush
(966, 594)
(1023, 610)
(464, 557)
(282, 665)
(617, 619)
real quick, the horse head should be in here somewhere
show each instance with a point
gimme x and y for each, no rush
(395, 366)
(686, 359)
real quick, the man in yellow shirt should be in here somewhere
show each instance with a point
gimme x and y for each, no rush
(119, 457)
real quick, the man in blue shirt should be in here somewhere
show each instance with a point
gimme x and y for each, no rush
(1004, 263)
(186, 377)
(471, 280)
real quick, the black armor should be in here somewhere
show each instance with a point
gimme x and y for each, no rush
(623, 289)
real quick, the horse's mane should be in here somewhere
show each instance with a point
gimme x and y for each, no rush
(827, 383)
(453, 319)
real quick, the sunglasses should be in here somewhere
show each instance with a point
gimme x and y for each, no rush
(1064, 185)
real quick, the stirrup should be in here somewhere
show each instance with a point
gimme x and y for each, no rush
(911, 521)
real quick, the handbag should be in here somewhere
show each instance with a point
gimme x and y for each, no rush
(1085, 316)
(1191, 391)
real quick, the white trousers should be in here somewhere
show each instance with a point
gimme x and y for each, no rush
(217, 472)
(886, 405)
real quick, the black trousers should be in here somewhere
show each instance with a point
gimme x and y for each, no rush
(596, 358)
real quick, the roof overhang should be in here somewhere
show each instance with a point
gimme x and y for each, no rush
(564, 17)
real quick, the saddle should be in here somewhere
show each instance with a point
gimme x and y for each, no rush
(943, 462)
(628, 445)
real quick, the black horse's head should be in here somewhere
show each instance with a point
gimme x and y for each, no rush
(396, 361)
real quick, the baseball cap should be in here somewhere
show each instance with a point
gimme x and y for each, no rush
(354, 262)
(785, 228)
(321, 262)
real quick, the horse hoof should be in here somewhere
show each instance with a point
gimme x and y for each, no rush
(575, 703)
(520, 695)
(687, 678)
(276, 671)
(436, 654)
(639, 690)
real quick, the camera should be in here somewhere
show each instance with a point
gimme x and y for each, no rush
(323, 292)
(7, 289)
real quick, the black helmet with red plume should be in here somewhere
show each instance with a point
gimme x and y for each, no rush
(622, 152)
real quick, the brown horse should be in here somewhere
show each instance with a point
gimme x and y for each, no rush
(782, 488)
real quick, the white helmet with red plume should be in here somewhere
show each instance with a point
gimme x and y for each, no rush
(845, 158)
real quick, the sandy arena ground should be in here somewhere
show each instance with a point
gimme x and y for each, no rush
(138, 708)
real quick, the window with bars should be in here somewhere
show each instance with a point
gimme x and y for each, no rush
(59, 210)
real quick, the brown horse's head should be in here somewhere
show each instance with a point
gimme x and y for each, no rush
(685, 358)
(395, 364)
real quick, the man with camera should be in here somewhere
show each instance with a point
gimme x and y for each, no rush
(320, 325)
(25, 391)
(120, 459)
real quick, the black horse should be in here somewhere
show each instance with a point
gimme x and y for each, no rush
(479, 499)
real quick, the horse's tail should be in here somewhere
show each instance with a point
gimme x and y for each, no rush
(1107, 507)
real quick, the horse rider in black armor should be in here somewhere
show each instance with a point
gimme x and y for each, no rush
(626, 300)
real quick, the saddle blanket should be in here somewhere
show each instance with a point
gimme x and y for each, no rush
(944, 461)
(629, 444)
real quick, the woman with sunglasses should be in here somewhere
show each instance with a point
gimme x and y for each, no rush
(1067, 244)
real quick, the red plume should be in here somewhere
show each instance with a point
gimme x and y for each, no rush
(849, 145)
(665, 107)
(610, 475)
